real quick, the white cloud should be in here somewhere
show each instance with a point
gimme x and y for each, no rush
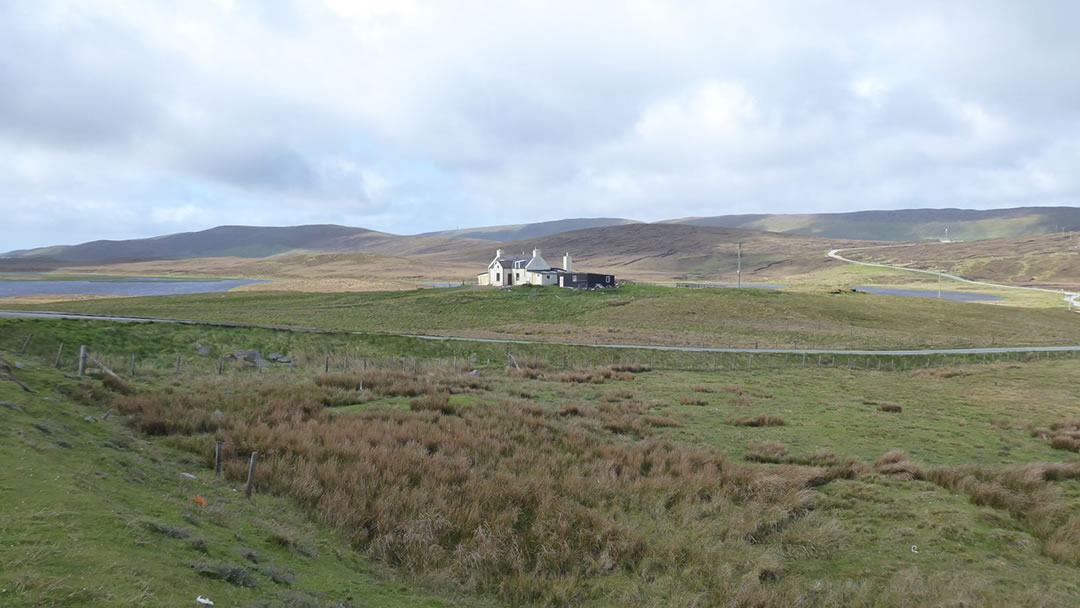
(417, 115)
(713, 110)
(177, 215)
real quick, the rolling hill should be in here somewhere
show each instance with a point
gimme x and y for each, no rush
(664, 252)
(906, 224)
(229, 241)
(1048, 260)
(531, 231)
(372, 260)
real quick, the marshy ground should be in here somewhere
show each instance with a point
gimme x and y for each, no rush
(530, 484)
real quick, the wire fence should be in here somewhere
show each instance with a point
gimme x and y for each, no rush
(357, 356)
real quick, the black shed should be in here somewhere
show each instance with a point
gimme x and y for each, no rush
(586, 280)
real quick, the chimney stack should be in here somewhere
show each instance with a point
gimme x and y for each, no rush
(536, 252)
(498, 253)
(566, 262)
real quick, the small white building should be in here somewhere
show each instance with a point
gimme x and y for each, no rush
(509, 270)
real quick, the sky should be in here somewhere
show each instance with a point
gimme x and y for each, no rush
(124, 119)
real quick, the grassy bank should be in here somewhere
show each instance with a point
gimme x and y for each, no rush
(93, 514)
(165, 351)
(538, 485)
(631, 314)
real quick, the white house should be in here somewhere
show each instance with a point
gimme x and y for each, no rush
(508, 270)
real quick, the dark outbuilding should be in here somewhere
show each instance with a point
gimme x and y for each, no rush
(586, 280)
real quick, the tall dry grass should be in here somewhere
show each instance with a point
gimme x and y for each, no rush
(569, 505)
(1064, 435)
(536, 505)
(1029, 493)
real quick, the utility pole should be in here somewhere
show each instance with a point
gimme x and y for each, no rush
(939, 286)
(738, 268)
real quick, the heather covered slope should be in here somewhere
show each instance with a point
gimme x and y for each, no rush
(645, 252)
(907, 224)
(666, 252)
(513, 232)
(1047, 260)
(238, 241)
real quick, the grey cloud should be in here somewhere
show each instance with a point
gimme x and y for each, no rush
(62, 85)
(420, 115)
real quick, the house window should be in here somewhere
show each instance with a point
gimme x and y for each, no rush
(498, 277)
(607, 279)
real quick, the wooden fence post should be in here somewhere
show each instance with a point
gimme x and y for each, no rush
(251, 474)
(345, 365)
(217, 459)
(178, 365)
(220, 365)
(59, 353)
(26, 344)
(327, 366)
(83, 352)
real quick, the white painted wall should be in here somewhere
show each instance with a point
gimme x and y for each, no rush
(537, 262)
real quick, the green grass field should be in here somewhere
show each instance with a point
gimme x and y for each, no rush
(92, 514)
(539, 486)
(631, 315)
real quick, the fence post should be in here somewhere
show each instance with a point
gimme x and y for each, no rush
(220, 365)
(217, 459)
(178, 364)
(132, 366)
(59, 352)
(26, 344)
(251, 474)
(345, 365)
(83, 353)
(326, 367)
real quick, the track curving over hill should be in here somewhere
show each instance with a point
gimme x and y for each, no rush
(1070, 297)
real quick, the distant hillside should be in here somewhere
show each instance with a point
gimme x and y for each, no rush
(239, 241)
(646, 252)
(907, 224)
(530, 231)
(228, 241)
(1049, 260)
(671, 252)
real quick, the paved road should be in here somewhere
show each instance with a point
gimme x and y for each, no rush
(686, 349)
(1069, 296)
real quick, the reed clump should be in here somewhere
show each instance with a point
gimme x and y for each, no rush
(1064, 435)
(757, 421)
(532, 504)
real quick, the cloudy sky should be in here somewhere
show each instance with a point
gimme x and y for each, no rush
(123, 118)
